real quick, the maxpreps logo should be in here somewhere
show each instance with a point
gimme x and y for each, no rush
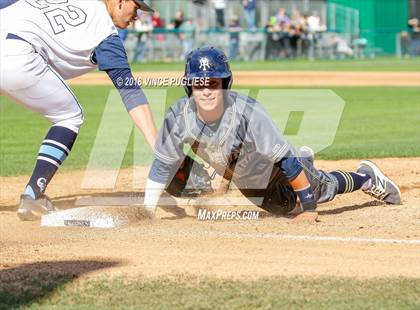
(206, 215)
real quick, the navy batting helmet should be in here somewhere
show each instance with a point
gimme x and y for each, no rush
(143, 6)
(207, 62)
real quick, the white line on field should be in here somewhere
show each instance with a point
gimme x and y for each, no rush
(304, 238)
(169, 201)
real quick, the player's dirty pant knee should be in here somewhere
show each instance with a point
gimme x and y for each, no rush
(323, 184)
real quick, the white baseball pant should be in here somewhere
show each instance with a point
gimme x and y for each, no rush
(28, 79)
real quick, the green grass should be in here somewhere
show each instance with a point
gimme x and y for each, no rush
(378, 64)
(376, 122)
(199, 293)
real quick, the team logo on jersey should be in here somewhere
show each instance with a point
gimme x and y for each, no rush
(204, 63)
(42, 183)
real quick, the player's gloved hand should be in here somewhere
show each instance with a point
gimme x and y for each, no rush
(191, 180)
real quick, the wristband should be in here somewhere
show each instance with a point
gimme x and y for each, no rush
(307, 199)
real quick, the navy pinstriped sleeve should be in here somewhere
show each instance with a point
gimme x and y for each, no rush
(111, 57)
(110, 54)
(5, 3)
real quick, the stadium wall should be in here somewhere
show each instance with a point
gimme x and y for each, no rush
(379, 20)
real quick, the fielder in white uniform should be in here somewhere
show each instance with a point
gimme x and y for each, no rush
(43, 43)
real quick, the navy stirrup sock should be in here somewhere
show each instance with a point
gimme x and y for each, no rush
(54, 150)
(349, 181)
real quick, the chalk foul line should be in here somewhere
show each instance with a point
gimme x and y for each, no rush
(300, 237)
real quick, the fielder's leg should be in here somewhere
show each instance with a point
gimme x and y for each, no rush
(35, 85)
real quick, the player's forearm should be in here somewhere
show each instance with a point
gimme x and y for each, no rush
(135, 102)
(152, 194)
(142, 117)
(299, 182)
(159, 175)
(303, 190)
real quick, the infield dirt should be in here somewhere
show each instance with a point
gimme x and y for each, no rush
(178, 243)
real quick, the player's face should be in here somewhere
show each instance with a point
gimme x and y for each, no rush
(209, 98)
(125, 13)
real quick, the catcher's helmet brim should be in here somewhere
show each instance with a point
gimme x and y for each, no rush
(143, 6)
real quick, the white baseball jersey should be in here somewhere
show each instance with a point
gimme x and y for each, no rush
(64, 32)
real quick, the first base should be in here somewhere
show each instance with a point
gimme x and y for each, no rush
(97, 217)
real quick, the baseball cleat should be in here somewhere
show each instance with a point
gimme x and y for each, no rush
(382, 188)
(32, 209)
(307, 152)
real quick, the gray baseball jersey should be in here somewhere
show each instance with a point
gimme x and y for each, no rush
(244, 145)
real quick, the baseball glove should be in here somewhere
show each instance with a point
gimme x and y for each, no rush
(191, 180)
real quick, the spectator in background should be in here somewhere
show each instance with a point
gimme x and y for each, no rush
(158, 23)
(315, 24)
(273, 37)
(298, 35)
(157, 20)
(415, 37)
(315, 28)
(187, 34)
(178, 20)
(294, 37)
(283, 31)
(284, 40)
(234, 32)
(305, 38)
(199, 10)
(220, 6)
(282, 18)
(297, 19)
(176, 24)
(185, 31)
(143, 27)
(405, 38)
(249, 10)
(284, 34)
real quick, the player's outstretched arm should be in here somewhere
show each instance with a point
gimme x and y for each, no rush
(300, 184)
(152, 194)
(142, 117)
(303, 189)
(111, 57)
(159, 175)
